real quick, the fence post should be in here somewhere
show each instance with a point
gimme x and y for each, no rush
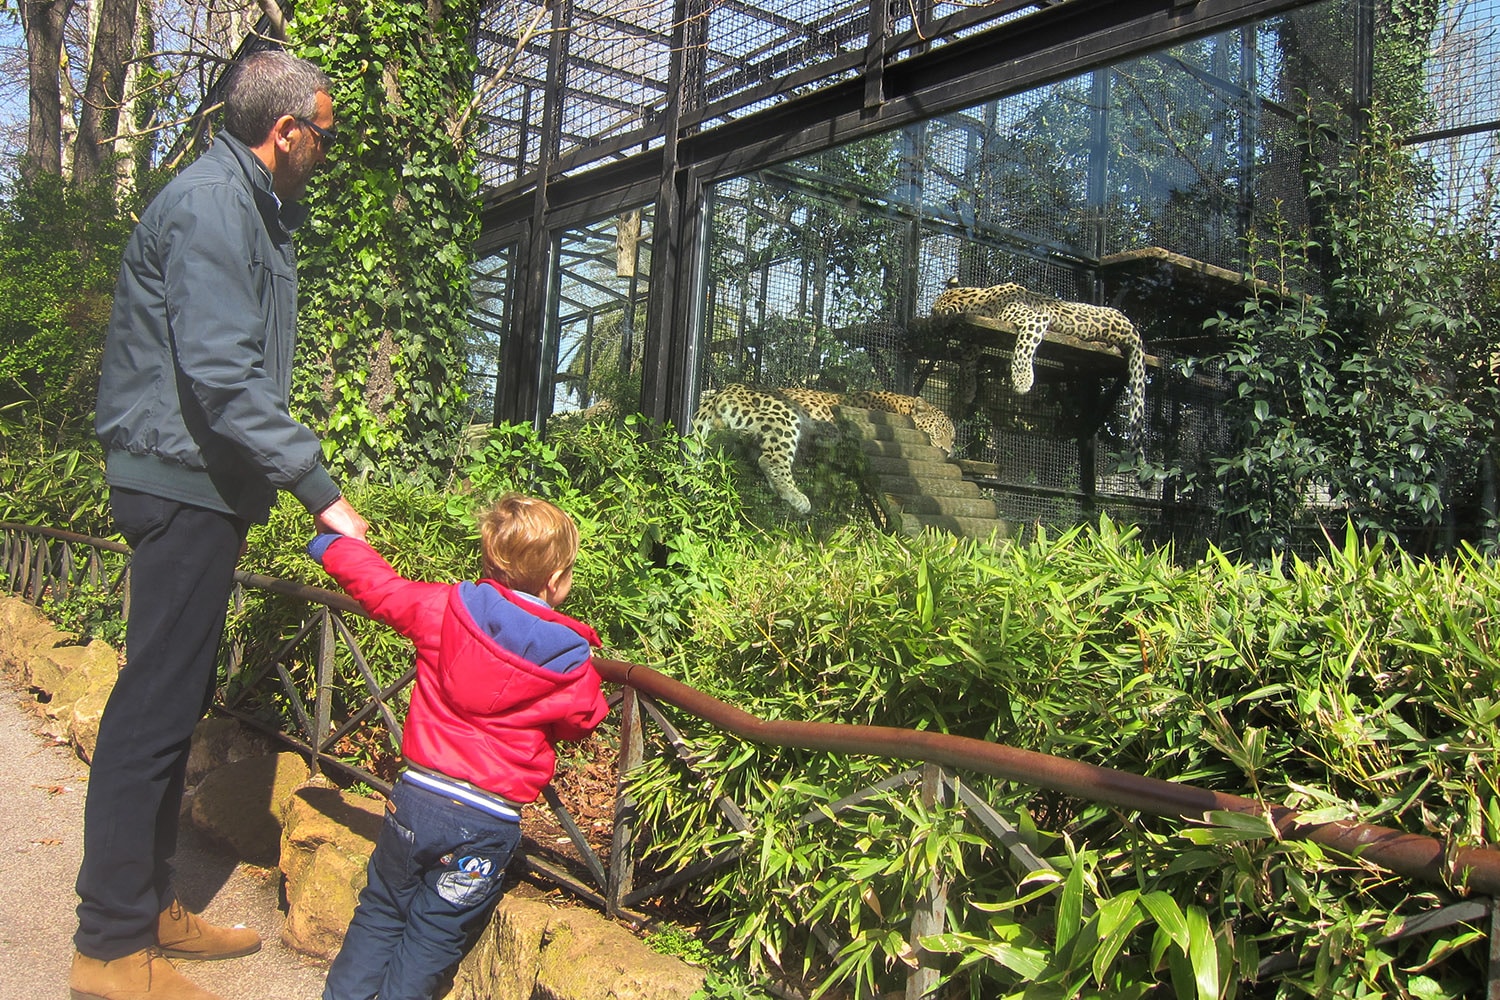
(621, 875)
(38, 574)
(65, 573)
(928, 916)
(236, 658)
(11, 546)
(323, 696)
(1493, 991)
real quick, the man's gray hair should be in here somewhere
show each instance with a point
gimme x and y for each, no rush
(265, 85)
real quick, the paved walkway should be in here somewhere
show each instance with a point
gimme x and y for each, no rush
(42, 790)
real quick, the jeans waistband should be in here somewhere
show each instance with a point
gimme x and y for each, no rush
(462, 791)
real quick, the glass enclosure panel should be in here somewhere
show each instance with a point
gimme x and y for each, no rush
(1132, 186)
(489, 319)
(599, 314)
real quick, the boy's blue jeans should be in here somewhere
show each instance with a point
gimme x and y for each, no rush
(434, 879)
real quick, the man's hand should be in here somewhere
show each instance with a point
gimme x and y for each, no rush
(341, 518)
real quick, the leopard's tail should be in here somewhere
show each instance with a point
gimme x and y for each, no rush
(1135, 366)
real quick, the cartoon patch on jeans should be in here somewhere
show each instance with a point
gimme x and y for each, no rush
(468, 882)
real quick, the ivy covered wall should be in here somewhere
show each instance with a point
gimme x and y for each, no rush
(385, 256)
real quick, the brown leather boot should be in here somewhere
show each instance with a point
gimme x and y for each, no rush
(142, 975)
(182, 934)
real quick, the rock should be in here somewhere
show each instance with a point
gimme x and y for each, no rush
(534, 951)
(326, 838)
(217, 742)
(319, 813)
(588, 958)
(49, 665)
(321, 902)
(83, 722)
(239, 804)
(504, 962)
(22, 629)
(91, 668)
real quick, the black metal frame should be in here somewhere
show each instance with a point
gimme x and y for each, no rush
(898, 79)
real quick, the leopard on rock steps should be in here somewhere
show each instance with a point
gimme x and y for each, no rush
(1034, 315)
(777, 420)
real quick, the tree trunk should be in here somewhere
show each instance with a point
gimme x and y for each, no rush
(104, 93)
(42, 21)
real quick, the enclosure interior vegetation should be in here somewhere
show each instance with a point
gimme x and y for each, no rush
(685, 195)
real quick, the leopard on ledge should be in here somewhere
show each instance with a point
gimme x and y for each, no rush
(1035, 315)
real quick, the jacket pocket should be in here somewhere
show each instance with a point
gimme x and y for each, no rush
(276, 283)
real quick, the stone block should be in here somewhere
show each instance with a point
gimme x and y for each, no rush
(217, 742)
(239, 805)
(320, 902)
(83, 722)
(22, 629)
(532, 950)
(586, 957)
(92, 669)
(318, 814)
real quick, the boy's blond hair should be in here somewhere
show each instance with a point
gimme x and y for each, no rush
(525, 540)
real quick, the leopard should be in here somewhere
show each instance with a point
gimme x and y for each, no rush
(926, 417)
(777, 421)
(1034, 315)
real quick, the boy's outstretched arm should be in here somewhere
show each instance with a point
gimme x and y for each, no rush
(388, 597)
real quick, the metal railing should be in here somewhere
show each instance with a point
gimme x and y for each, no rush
(38, 563)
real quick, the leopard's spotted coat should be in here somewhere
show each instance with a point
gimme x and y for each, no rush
(777, 420)
(1034, 315)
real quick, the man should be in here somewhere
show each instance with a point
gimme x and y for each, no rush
(193, 417)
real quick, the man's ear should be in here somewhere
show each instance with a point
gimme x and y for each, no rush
(281, 132)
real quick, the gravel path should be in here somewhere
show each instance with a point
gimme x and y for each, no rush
(42, 790)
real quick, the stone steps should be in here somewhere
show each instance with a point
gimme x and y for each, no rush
(923, 489)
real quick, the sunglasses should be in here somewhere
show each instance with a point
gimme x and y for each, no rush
(327, 137)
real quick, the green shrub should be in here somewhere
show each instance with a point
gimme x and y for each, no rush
(1371, 399)
(51, 482)
(59, 253)
(1353, 686)
(1360, 684)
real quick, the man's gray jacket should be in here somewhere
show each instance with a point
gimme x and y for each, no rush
(198, 362)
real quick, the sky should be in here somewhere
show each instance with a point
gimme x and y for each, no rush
(12, 87)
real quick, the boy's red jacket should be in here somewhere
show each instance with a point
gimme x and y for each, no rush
(482, 709)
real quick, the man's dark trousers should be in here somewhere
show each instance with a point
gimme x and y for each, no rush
(181, 574)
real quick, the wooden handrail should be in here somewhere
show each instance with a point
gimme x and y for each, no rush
(1427, 858)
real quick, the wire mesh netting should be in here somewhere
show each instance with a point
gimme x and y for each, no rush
(512, 47)
(619, 69)
(611, 79)
(1460, 135)
(750, 45)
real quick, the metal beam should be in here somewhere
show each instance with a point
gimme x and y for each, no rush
(1053, 44)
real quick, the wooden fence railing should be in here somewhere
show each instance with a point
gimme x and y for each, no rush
(41, 563)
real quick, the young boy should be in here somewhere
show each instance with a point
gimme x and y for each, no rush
(500, 678)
